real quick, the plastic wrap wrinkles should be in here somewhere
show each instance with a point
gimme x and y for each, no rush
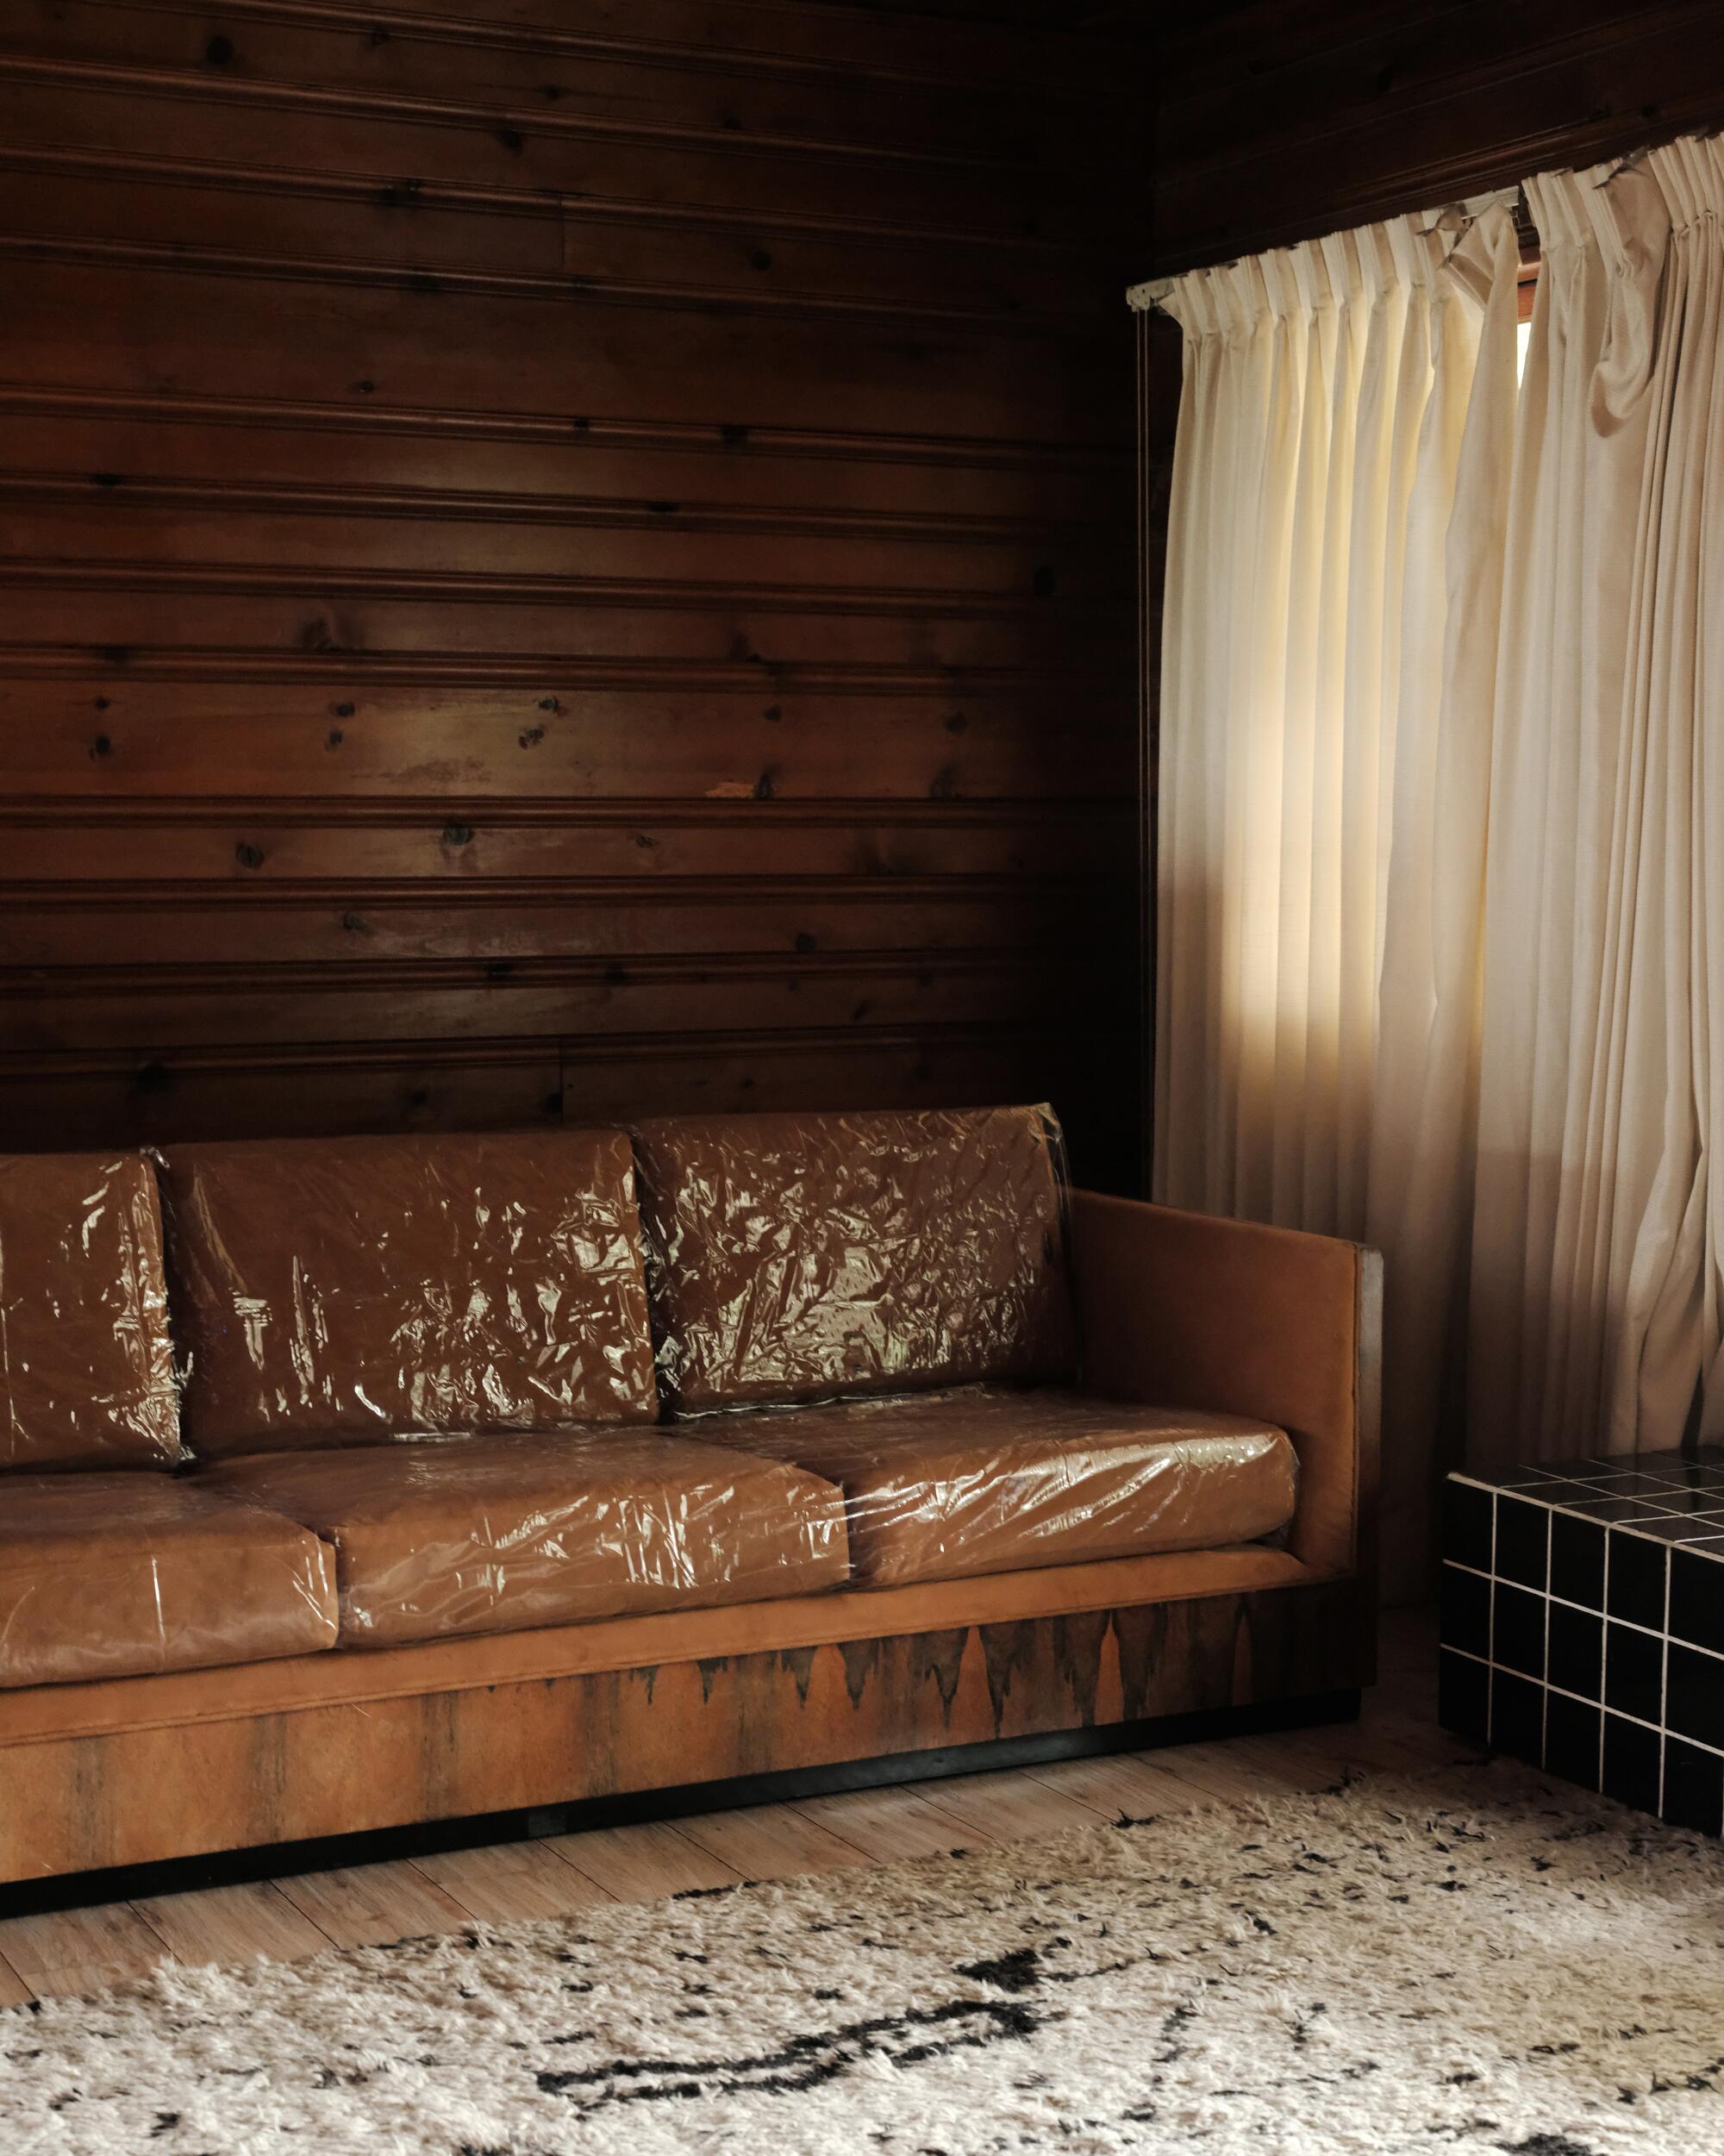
(811, 1257)
(86, 1377)
(439, 1539)
(124, 1575)
(346, 1291)
(946, 1484)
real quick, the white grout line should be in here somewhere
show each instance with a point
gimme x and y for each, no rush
(1580, 1700)
(1591, 1609)
(1703, 1546)
(1663, 1684)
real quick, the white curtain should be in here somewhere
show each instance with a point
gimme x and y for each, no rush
(1440, 900)
(1339, 400)
(1596, 1319)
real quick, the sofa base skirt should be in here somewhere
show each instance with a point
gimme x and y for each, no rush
(158, 1770)
(383, 1845)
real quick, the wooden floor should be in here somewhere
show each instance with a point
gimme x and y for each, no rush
(77, 1951)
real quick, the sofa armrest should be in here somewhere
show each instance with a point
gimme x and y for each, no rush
(1185, 1310)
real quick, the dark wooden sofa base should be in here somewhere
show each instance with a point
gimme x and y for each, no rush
(382, 1845)
(96, 1778)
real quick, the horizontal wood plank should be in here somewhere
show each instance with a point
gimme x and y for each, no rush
(747, 733)
(495, 847)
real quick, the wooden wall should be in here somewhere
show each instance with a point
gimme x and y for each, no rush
(565, 558)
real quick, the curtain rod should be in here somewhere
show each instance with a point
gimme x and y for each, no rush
(1151, 293)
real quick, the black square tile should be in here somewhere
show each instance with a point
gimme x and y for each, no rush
(1523, 1542)
(1694, 1695)
(1562, 1493)
(1468, 1520)
(1463, 1619)
(1631, 1763)
(1697, 1599)
(1463, 1696)
(1634, 1581)
(1577, 1559)
(1577, 1652)
(1694, 1787)
(1517, 1717)
(1678, 1498)
(1689, 1473)
(1517, 1630)
(1572, 1738)
(1634, 1673)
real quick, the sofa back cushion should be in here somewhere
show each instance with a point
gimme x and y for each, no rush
(806, 1257)
(351, 1290)
(86, 1373)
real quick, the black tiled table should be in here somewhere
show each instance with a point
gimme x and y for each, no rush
(1583, 1624)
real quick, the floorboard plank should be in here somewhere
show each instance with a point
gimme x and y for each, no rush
(647, 1861)
(233, 1924)
(375, 1904)
(772, 1841)
(888, 1825)
(1225, 1770)
(13, 1991)
(1011, 1806)
(65, 1953)
(1128, 1782)
(513, 1883)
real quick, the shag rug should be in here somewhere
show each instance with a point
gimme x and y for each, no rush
(1477, 1961)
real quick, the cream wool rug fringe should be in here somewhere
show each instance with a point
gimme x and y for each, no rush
(1479, 1960)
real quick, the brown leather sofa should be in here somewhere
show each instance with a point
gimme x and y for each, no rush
(358, 1483)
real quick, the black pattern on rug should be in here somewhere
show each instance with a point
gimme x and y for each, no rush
(1481, 1961)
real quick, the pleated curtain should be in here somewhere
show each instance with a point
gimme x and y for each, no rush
(1596, 1256)
(1441, 844)
(1339, 400)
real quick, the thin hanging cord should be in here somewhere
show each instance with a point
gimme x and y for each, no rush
(1146, 777)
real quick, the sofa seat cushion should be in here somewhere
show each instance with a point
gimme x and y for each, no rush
(499, 1534)
(987, 1479)
(86, 1374)
(345, 1291)
(816, 1257)
(126, 1575)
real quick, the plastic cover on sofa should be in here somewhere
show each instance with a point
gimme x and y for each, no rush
(942, 1485)
(343, 1292)
(497, 1535)
(808, 1257)
(419, 1384)
(128, 1574)
(86, 1376)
